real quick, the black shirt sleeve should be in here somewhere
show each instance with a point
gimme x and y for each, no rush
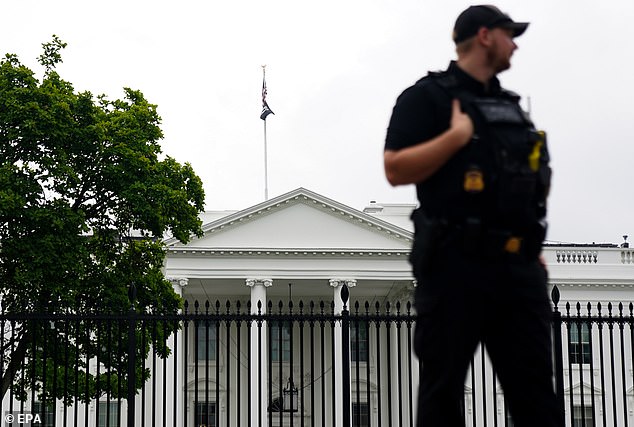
(420, 113)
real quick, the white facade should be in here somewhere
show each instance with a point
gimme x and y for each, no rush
(308, 241)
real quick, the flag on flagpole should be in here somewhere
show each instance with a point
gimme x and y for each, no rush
(266, 110)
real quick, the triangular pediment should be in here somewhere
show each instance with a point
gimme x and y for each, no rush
(587, 389)
(301, 220)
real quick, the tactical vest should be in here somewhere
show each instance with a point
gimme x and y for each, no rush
(501, 178)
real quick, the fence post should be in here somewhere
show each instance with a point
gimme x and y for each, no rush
(558, 354)
(131, 355)
(345, 352)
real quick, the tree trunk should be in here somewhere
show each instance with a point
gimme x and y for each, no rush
(16, 356)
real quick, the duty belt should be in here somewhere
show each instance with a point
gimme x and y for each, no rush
(496, 243)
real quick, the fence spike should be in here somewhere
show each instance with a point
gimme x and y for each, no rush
(555, 296)
(345, 294)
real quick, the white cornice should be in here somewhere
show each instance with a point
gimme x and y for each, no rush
(277, 252)
(593, 284)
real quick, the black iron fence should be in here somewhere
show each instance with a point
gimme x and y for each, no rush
(231, 364)
(594, 361)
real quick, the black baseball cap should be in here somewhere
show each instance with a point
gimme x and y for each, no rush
(475, 17)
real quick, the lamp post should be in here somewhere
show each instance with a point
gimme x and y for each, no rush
(289, 402)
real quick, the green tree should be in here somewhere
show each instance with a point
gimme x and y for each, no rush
(85, 201)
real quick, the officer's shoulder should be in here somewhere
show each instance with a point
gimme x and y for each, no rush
(510, 95)
(431, 86)
(438, 78)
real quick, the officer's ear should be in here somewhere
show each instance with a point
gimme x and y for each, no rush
(483, 36)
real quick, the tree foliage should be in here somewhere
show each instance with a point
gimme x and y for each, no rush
(85, 200)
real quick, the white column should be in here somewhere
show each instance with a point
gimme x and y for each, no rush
(179, 284)
(415, 368)
(393, 349)
(259, 347)
(337, 284)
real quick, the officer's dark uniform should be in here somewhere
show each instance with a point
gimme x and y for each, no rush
(478, 235)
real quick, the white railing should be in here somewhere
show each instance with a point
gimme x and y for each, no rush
(577, 256)
(588, 255)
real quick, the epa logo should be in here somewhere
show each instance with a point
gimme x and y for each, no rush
(21, 419)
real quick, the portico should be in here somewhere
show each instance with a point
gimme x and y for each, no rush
(300, 246)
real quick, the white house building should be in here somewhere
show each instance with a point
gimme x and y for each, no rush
(316, 244)
(299, 246)
(303, 246)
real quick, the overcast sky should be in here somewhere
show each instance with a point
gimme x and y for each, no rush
(334, 70)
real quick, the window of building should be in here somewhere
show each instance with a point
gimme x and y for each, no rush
(360, 414)
(47, 414)
(205, 415)
(206, 340)
(280, 341)
(579, 344)
(108, 414)
(359, 341)
(582, 416)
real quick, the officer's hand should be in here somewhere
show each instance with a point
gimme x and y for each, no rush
(460, 124)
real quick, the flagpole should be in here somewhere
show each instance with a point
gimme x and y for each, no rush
(266, 173)
(265, 113)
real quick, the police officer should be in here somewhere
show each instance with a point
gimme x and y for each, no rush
(482, 177)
